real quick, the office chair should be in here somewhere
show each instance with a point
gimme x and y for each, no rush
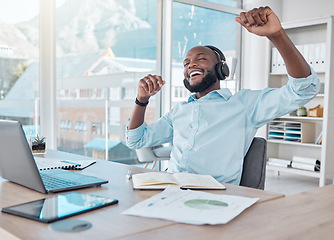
(153, 154)
(254, 168)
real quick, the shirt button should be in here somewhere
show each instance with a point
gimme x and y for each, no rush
(184, 158)
(195, 110)
(189, 145)
(194, 128)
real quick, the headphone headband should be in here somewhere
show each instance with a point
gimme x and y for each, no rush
(217, 51)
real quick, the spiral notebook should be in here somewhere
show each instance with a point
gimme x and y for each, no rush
(47, 164)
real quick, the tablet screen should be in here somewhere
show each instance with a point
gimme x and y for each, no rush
(60, 206)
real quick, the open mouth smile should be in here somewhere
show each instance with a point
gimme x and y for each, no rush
(195, 73)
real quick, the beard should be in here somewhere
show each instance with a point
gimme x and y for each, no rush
(207, 81)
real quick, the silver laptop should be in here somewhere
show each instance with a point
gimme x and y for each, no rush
(17, 165)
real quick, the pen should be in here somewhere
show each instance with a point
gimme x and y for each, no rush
(129, 175)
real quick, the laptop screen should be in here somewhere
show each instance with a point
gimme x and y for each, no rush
(17, 163)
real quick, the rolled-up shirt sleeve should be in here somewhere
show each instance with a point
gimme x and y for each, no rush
(263, 106)
(156, 133)
(134, 135)
(307, 87)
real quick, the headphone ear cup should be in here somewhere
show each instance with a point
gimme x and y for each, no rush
(219, 71)
(222, 70)
(225, 70)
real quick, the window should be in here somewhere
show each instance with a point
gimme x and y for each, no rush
(97, 128)
(81, 126)
(65, 125)
(193, 26)
(103, 49)
(19, 63)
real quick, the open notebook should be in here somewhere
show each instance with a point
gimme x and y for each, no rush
(161, 180)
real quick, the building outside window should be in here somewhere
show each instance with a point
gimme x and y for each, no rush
(98, 56)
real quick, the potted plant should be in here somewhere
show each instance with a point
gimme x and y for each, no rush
(38, 145)
(301, 112)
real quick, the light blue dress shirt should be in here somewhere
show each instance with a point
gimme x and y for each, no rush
(211, 135)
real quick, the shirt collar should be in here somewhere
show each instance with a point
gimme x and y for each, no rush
(223, 92)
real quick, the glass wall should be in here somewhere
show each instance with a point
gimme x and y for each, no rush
(103, 48)
(193, 26)
(19, 63)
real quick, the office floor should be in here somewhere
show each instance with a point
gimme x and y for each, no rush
(289, 184)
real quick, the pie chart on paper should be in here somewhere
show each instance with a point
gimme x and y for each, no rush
(205, 204)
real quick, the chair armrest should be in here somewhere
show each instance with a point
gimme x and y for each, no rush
(162, 152)
(157, 154)
(145, 155)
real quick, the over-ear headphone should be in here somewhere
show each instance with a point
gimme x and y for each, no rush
(221, 68)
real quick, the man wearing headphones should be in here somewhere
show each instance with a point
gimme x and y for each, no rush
(212, 131)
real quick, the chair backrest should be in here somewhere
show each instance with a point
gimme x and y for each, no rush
(254, 167)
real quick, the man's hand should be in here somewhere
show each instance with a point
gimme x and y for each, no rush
(260, 21)
(149, 86)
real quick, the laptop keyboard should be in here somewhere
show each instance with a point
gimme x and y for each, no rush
(51, 182)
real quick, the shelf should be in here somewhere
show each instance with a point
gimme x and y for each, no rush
(301, 118)
(307, 23)
(284, 74)
(313, 38)
(295, 143)
(294, 171)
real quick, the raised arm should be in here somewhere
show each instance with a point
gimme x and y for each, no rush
(264, 22)
(147, 87)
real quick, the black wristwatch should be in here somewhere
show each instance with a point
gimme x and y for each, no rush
(140, 103)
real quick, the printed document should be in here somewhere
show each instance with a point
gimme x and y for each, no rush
(192, 207)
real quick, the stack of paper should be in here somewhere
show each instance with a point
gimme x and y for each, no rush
(279, 162)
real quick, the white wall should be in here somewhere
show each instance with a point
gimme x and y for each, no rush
(255, 50)
(255, 53)
(306, 9)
